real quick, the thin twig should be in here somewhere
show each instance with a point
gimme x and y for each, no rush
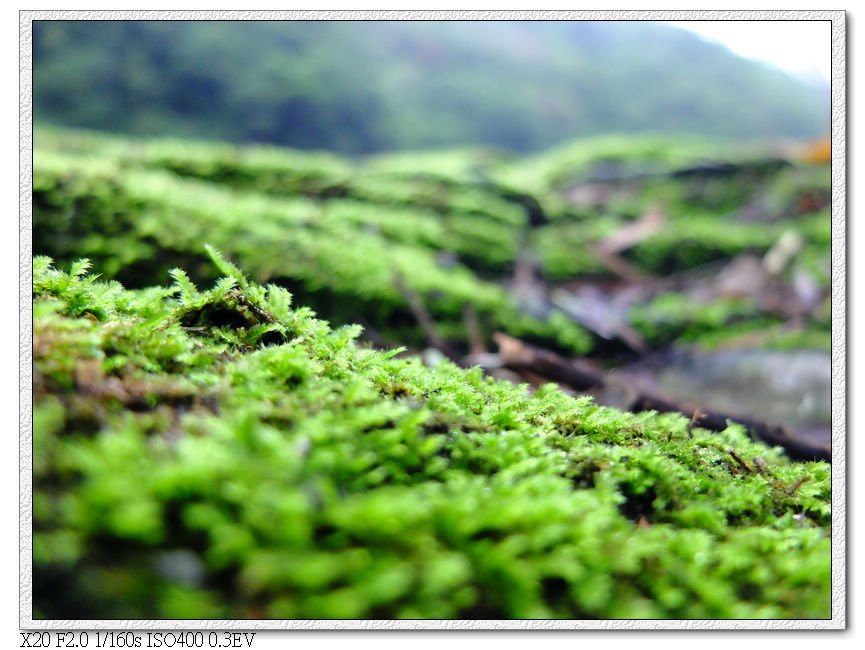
(422, 316)
(473, 329)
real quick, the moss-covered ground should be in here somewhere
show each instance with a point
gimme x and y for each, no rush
(451, 225)
(207, 446)
(221, 454)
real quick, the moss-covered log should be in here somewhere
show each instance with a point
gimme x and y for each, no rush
(221, 453)
(453, 224)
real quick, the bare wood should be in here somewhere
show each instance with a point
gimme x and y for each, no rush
(633, 233)
(422, 316)
(473, 329)
(620, 266)
(522, 357)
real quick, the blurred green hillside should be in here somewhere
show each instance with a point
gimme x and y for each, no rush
(361, 87)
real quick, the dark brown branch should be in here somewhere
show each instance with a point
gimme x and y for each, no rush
(473, 329)
(422, 316)
(796, 445)
(522, 357)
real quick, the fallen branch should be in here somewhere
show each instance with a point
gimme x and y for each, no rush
(634, 232)
(796, 445)
(473, 329)
(424, 319)
(522, 357)
(619, 266)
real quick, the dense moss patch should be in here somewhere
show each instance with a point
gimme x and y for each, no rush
(135, 223)
(454, 226)
(221, 453)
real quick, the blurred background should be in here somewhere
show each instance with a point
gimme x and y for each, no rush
(363, 87)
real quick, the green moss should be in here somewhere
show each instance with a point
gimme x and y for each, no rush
(769, 336)
(222, 454)
(677, 316)
(136, 223)
(610, 155)
(451, 224)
